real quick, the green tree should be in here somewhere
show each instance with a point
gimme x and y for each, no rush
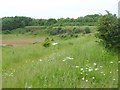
(108, 31)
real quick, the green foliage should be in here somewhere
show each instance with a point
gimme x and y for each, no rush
(6, 32)
(109, 33)
(87, 30)
(56, 31)
(51, 21)
(47, 42)
(10, 23)
(77, 30)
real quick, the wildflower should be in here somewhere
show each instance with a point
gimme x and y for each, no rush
(86, 80)
(83, 78)
(86, 74)
(81, 73)
(114, 79)
(94, 64)
(40, 60)
(93, 77)
(69, 58)
(90, 70)
(110, 72)
(104, 74)
(96, 69)
(54, 43)
(101, 66)
(77, 66)
(111, 62)
(64, 60)
(118, 61)
(81, 69)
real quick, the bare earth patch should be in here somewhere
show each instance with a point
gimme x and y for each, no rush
(20, 41)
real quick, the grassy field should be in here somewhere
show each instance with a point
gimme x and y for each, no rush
(73, 63)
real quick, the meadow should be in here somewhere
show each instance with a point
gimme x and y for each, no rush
(67, 63)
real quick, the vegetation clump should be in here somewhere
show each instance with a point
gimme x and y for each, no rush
(109, 31)
(87, 30)
(47, 42)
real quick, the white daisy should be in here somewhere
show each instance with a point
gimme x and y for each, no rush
(83, 78)
(81, 69)
(94, 64)
(77, 66)
(40, 60)
(93, 77)
(90, 70)
(86, 80)
(96, 69)
(111, 62)
(55, 43)
(114, 79)
(64, 60)
(118, 61)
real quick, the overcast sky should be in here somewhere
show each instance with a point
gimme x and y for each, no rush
(56, 8)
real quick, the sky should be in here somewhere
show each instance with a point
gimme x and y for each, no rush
(56, 8)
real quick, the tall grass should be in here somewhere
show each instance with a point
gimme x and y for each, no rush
(73, 63)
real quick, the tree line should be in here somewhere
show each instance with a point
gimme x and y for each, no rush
(10, 23)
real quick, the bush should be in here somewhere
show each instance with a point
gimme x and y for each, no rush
(76, 35)
(109, 31)
(87, 30)
(56, 31)
(76, 30)
(6, 32)
(46, 44)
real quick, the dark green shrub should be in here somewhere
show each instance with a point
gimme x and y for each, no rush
(87, 30)
(6, 32)
(76, 35)
(109, 31)
(72, 35)
(56, 31)
(76, 30)
(46, 44)
(63, 36)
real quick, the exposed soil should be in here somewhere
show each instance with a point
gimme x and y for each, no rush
(20, 41)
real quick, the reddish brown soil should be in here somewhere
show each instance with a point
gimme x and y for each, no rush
(21, 41)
